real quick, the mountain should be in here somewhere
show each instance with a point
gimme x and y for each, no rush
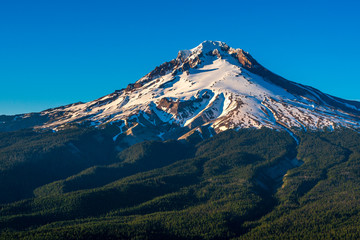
(203, 91)
(210, 145)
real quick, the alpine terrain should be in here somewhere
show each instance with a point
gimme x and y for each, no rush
(207, 90)
(210, 145)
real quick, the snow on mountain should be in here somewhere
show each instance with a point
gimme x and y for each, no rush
(206, 90)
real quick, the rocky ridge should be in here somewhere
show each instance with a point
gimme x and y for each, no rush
(203, 91)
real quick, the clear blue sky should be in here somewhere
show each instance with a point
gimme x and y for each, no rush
(59, 52)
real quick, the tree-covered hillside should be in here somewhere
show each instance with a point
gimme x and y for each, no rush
(246, 184)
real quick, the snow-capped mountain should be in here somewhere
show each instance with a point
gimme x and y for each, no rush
(208, 89)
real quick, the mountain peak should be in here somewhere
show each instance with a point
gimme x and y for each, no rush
(206, 90)
(203, 48)
(203, 54)
(208, 46)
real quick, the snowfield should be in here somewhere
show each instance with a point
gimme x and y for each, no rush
(212, 86)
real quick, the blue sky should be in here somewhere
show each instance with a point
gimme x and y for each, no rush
(59, 52)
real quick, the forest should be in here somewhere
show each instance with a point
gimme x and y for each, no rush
(245, 184)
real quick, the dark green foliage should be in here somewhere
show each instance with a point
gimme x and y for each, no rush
(30, 159)
(138, 158)
(320, 199)
(228, 187)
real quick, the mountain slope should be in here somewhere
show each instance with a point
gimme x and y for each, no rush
(231, 186)
(205, 90)
(72, 179)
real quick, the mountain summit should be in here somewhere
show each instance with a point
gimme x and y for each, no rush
(204, 90)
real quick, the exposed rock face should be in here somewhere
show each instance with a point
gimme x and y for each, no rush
(205, 90)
